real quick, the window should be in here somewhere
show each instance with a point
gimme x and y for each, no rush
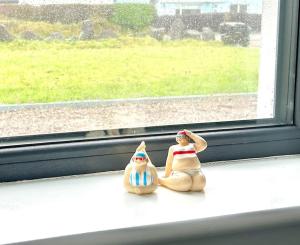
(235, 79)
(234, 8)
(191, 11)
(66, 71)
(238, 8)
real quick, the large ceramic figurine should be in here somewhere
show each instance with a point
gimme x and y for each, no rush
(183, 171)
(140, 175)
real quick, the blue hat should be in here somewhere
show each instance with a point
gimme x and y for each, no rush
(140, 154)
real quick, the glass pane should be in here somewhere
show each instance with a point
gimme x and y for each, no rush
(75, 65)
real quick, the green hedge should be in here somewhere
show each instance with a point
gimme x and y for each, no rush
(133, 16)
(128, 16)
(63, 13)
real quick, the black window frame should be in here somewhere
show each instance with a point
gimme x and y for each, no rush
(74, 155)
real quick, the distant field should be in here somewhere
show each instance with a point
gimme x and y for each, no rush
(40, 71)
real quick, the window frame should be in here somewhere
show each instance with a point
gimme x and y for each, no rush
(275, 227)
(73, 156)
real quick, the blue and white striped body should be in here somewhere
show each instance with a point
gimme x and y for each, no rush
(142, 179)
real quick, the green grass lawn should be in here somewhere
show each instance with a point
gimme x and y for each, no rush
(39, 71)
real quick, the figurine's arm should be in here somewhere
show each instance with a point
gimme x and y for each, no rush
(127, 174)
(200, 143)
(169, 162)
(154, 174)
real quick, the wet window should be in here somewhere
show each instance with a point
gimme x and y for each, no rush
(74, 65)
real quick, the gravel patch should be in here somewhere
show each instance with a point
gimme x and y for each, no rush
(115, 114)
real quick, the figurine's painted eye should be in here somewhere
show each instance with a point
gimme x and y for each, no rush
(140, 158)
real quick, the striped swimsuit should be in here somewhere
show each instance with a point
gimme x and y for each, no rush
(181, 152)
(138, 179)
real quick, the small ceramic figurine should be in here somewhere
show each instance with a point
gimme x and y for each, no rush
(183, 171)
(140, 175)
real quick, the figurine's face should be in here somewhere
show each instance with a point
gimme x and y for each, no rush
(140, 161)
(182, 140)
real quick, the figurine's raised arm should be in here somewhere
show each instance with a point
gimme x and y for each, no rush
(141, 147)
(200, 143)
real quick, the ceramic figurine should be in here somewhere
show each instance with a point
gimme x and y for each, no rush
(140, 175)
(183, 168)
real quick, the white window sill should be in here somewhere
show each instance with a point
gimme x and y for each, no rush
(40, 209)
